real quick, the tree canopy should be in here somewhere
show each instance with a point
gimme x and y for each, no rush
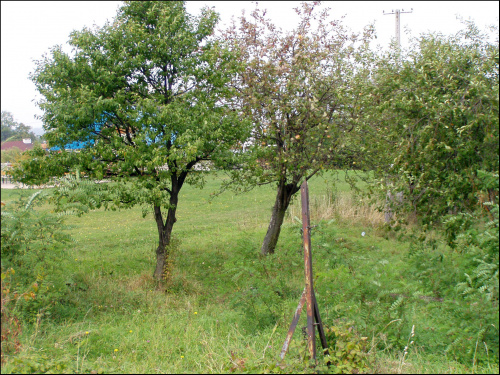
(434, 113)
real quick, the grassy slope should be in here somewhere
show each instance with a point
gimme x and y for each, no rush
(224, 304)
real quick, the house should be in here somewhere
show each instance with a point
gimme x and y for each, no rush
(23, 145)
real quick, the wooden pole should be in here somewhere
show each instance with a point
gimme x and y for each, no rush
(308, 297)
(306, 228)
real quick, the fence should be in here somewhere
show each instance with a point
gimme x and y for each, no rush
(8, 180)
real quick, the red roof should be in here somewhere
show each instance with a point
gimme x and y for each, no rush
(19, 144)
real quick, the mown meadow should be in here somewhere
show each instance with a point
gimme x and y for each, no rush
(388, 305)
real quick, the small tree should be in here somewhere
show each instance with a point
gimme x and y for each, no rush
(148, 94)
(299, 90)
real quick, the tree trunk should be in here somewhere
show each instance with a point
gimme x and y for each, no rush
(165, 231)
(283, 198)
(165, 228)
(165, 235)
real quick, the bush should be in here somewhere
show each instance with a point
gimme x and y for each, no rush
(11, 328)
(466, 274)
(347, 350)
(33, 250)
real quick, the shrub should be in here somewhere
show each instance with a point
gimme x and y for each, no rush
(33, 248)
(10, 324)
(466, 275)
(347, 350)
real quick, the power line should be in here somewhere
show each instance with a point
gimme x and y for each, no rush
(397, 12)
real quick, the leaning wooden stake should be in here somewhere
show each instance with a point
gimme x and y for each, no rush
(295, 320)
(306, 236)
(308, 297)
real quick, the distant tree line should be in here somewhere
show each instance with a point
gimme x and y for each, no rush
(15, 131)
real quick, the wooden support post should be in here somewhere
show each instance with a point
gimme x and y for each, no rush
(295, 320)
(306, 229)
(308, 297)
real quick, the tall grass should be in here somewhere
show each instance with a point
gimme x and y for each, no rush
(226, 308)
(342, 206)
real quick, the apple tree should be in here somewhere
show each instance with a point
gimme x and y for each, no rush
(299, 92)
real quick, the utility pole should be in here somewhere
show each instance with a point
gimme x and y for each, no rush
(398, 24)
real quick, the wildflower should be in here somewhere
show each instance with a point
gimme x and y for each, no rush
(86, 332)
(130, 331)
(196, 312)
(182, 356)
(116, 350)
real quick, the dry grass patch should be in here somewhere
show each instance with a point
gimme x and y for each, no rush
(342, 206)
(141, 282)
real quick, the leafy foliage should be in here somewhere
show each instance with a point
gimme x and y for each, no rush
(33, 254)
(12, 155)
(11, 328)
(148, 94)
(434, 112)
(347, 350)
(482, 250)
(467, 282)
(31, 240)
(299, 91)
(443, 285)
(347, 354)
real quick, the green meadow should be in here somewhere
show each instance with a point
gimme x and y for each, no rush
(227, 309)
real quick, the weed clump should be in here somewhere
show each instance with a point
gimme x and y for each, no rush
(33, 254)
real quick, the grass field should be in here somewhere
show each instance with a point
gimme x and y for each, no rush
(226, 309)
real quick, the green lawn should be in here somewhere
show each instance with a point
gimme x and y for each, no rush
(225, 308)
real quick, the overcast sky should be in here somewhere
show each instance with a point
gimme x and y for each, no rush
(30, 28)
